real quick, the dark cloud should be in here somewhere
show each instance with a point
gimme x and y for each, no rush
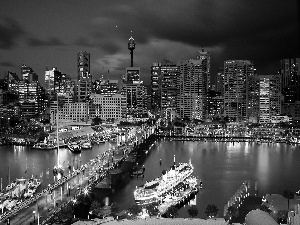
(107, 46)
(10, 32)
(7, 64)
(84, 42)
(51, 42)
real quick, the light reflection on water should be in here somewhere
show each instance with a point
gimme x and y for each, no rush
(222, 166)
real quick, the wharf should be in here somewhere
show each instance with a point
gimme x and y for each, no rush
(177, 200)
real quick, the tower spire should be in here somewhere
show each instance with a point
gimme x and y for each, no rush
(131, 47)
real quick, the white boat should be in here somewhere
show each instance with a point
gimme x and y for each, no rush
(86, 145)
(155, 190)
(44, 146)
(74, 147)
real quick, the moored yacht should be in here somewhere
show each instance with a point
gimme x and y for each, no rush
(74, 147)
(44, 146)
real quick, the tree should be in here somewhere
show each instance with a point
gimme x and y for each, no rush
(211, 210)
(65, 214)
(134, 209)
(193, 211)
(231, 213)
(288, 194)
(95, 207)
(97, 120)
(152, 209)
(172, 212)
(114, 208)
(281, 216)
(265, 208)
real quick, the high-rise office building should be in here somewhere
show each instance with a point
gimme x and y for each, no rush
(28, 74)
(12, 80)
(290, 78)
(192, 87)
(235, 77)
(135, 98)
(132, 74)
(270, 93)
(252, 98)
(205, 58)
(84, 85)
(55, 82)
(220, 81)
(164, 85)
(30, 98)
(107, 87)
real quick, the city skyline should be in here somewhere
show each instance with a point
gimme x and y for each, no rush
(51, 34)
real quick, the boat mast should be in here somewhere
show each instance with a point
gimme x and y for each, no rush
(57, 142)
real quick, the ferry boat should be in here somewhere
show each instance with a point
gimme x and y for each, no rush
(74, 147)
(156, 190)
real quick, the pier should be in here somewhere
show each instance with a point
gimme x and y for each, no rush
(70, 186)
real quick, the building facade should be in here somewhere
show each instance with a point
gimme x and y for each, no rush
(84, 84)
(235, 77)
(192, 87)
(270, 97)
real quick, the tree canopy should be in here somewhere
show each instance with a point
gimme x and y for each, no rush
(172, 212)
(193, 211)
(288, 194)
(211, 210)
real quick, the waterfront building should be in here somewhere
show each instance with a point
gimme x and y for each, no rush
(28, 74)
(192, 87)
(235, 76)
(291, 109)
(69, 112)
(215, 104)
(84, 85)
(109, 106)
(270, 97)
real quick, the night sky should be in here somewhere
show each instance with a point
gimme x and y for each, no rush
(42, 33)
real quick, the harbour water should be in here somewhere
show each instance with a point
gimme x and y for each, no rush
(222, 166)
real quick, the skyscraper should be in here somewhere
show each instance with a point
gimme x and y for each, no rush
(55, 82)
(164, 85)
(84, 85)
(192, 86)
(269, 103)
(28, 74)
(290, 76)
(235, 77)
